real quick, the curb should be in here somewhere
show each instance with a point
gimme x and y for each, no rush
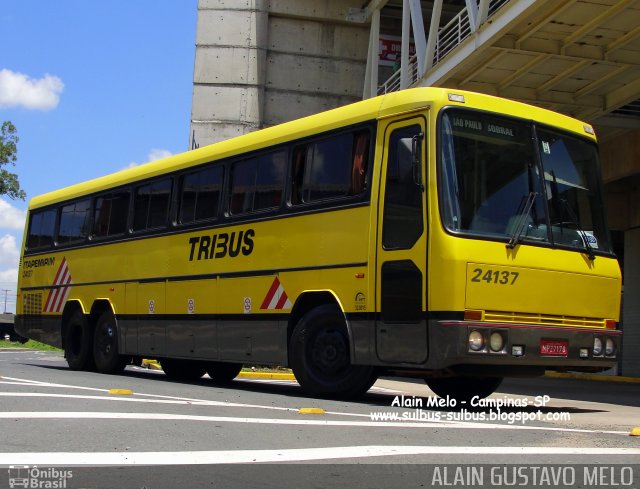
(267, 375)
(599, 378)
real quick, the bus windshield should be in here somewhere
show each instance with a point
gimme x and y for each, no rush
(504, 179)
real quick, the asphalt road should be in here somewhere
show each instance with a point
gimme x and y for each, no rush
(80, 433)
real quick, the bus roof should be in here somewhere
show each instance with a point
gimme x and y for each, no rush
(383, 106)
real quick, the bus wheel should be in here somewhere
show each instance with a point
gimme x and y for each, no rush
(320, 359)
(78, 342)
(105, 345)
(182, 369)
(223, 372)
(464, 388)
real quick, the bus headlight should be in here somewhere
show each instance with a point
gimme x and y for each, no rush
(476, 340)
(609, 347)
(597, 346)
(496, 342)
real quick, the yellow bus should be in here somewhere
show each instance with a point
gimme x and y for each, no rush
(431, 233)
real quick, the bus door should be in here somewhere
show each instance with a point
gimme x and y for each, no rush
(401, 330)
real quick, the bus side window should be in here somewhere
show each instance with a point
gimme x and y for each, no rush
(258, 183)
(110, 214)
(75, 221)
(41, 228)
(360, 161)
(297, 174)
(272, 169)
(151, 206)
(200, 194)
(333, 167)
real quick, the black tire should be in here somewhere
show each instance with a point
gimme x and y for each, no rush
(78, 342)
(464, 388)
(223, 372)
(105, 345)
(182, 369)
(319, 355)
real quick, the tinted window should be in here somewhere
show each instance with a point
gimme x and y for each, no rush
(200, 194)
(257, 183)
(494, 184)
(330, 168)
(110, 214)
(151, 207)
(402, 222)
(489, 170)
(41, 229)
(573, 191)
(75, 221)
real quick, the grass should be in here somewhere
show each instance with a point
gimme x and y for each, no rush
(34, 345)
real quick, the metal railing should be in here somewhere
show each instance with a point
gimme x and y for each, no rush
(449, 37)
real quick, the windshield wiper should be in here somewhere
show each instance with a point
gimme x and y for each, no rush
(572, 215)
(523, 215)
(574, 220)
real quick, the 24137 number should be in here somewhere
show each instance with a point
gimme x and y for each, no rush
(498, 277)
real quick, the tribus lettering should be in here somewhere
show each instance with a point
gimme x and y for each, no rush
(220, 245)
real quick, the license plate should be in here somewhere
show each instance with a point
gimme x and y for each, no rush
(557, 348)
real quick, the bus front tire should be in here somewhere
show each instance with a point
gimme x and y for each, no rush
(463, 388)
(176, 369)
(78, 342)
(320, 356)
(223, 372)
(105, 346)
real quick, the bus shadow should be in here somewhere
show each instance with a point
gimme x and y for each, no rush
(371, 398)
(567, 390)
(391, 401)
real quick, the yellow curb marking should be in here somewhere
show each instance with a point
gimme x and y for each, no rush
(267, 375)
(311, 411)
(120, 392)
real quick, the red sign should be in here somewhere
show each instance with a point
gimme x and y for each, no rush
(390, 48)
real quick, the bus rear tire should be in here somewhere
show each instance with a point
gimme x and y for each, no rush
(319, 355)
(176, 369)
(463, 388)
(223, 372)
(105, 346)
(78, 342)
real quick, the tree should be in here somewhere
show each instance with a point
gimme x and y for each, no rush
(9, 184)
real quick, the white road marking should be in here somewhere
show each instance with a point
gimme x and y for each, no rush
(161, 399)
(289, 421)
(76, 459)
(152, 397)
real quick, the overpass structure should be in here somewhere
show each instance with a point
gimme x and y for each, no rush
(262, 62)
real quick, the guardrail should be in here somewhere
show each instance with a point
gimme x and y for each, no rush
(449, 37)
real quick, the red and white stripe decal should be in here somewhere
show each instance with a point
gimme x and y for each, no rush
(60, 289)
(276, 298)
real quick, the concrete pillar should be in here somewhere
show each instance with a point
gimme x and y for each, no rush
(631, 305)
(229, 71)
(260, 63)
(620, 158)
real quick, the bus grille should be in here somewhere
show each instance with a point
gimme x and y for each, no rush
(32, 310)
(551, 319)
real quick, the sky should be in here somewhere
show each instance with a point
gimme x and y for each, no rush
(92, 88)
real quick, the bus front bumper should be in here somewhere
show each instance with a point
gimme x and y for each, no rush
(466, 344)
